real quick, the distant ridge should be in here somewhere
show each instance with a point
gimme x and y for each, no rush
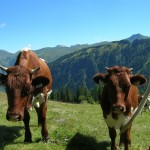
(75, 65)
(137, 37)
(51, 54)
(78, 68)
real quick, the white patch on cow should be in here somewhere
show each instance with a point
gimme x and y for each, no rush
(49, 93)
(38, 100)
(42, 59)
(117, 123)
(37, 104)
(26, 49)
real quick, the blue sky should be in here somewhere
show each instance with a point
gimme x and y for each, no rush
(47, 23)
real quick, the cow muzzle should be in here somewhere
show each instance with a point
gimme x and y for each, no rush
(118, 108)
(13, 116)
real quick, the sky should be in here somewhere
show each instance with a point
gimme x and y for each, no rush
(47, 23)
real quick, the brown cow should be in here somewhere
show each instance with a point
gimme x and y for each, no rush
(119, 99)
(147, 104)
(29, 81)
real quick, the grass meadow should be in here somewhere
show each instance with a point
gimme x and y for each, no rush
(71, 127)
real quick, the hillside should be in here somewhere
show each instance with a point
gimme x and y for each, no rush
(78, 68)
(76, 65)
(51, 54)
(6, 58)
(137, 37)
(48, 53)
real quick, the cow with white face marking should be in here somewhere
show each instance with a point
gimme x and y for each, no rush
(119, 100)
(28, 82)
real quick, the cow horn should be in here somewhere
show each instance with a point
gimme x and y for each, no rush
(3, 68)
(137, 111)
(34, 70)
(106, 68)
(130, 69)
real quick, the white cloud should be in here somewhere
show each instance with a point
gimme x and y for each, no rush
(2, 25)
(29, 45)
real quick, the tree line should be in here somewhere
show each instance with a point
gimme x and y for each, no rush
(81, 95)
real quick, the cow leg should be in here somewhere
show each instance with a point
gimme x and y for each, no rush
(125, 139)
(29, 103)
(41, 112)
(26, 120)
(112, 134)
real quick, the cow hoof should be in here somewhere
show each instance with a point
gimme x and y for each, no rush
(114, 147)
(26, 141)
(44, 140)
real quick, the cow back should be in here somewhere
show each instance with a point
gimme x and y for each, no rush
(29, 59)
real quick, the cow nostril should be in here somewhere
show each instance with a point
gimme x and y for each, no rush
(122, 108)
(16, 116)
(13, 116)
(117, 108)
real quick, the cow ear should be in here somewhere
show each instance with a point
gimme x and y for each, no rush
(138, 80)
(40, 81)
(100, 78)
(2, 78)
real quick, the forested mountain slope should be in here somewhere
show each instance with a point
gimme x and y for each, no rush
(78, 68)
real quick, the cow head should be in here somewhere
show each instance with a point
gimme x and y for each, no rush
(20, 85)
(117, 82)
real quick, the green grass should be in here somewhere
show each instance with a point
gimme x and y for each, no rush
(71, 127)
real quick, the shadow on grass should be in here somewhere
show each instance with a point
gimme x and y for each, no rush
(82, 142)
(8, 135)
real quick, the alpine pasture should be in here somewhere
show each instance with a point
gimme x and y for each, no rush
(71, 127)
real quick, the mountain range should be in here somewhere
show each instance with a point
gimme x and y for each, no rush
(76, 65)
(50, 54)
(78, 68)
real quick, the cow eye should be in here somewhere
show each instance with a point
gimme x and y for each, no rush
(25, 92)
